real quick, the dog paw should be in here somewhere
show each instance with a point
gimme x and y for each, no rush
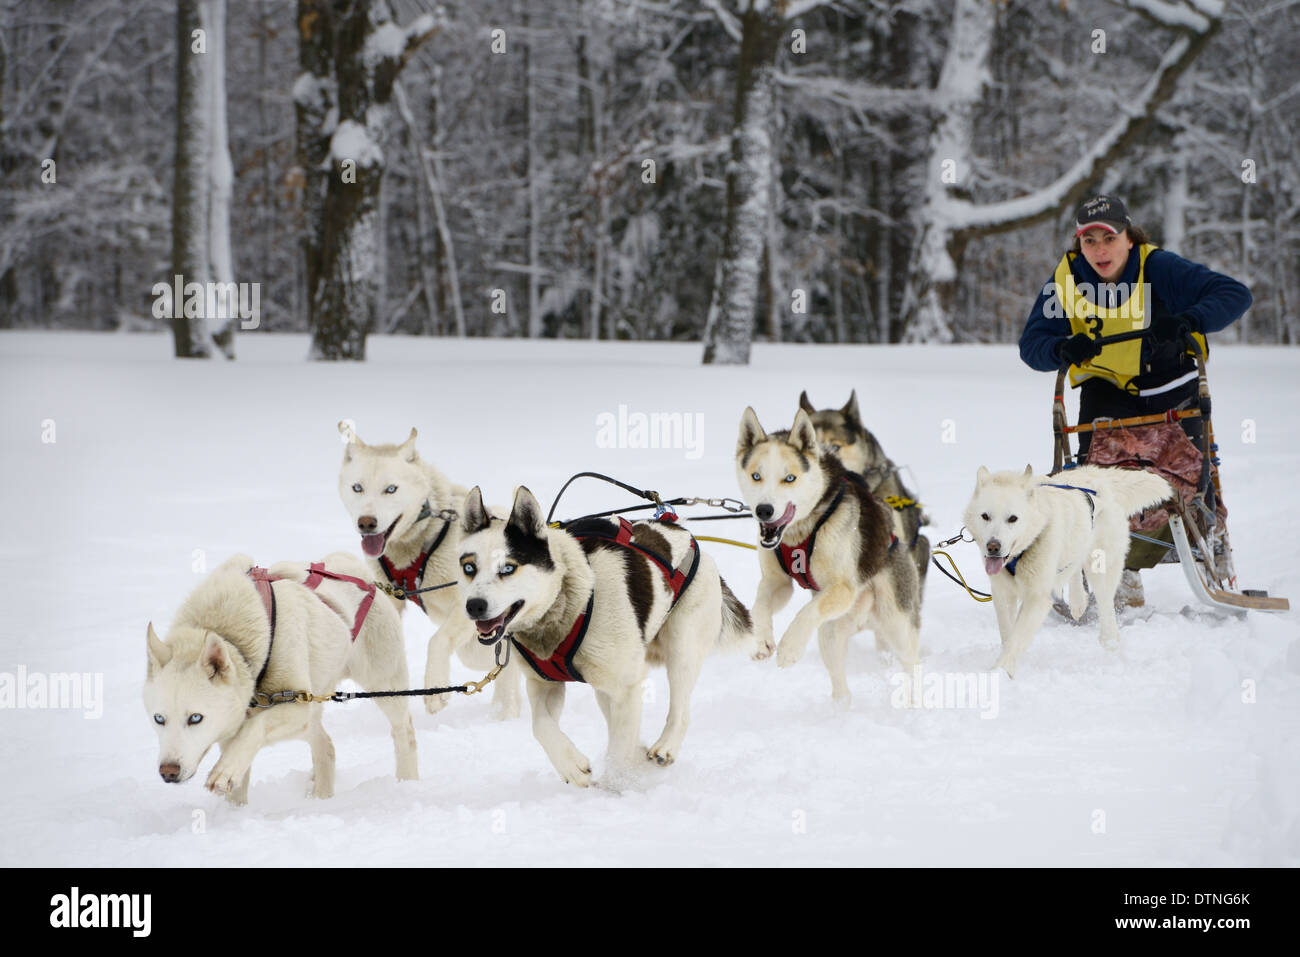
(435, 702)
(842, 703)
(225, 776)
(788, 652)
(661, 754)
(574, 768)
(764, 649)
(1008, 665)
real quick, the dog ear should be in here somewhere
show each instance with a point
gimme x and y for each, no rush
(526, 514)
(850, 410)
(159, 652)
(805, 403)
(349, 432)
(214, 659)
(1029, 470)
(802, 434)
(751, 433)
(473, 517)
(982, 476)
(407, 448)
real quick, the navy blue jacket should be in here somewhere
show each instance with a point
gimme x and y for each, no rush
(1179, 287)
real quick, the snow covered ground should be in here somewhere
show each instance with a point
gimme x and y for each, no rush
(1182, 748)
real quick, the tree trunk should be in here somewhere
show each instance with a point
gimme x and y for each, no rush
(534, 328)
(190, 189)
(350, 53)
(748, 192)
(221, 176)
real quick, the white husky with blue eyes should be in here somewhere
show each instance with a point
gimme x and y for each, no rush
(404, 510)
(221, 648)
(1042, 534)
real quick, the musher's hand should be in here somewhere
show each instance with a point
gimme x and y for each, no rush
(1076, 349)
(1173, 328)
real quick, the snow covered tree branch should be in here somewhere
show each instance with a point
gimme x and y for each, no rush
(950, 219)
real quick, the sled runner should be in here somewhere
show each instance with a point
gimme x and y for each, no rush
(1192, 530)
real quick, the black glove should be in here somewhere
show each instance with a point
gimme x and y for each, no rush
(1077, 349)
(1174, 329)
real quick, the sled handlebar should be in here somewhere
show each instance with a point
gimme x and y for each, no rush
(1139, 334)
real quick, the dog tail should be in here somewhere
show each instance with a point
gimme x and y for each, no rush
(1135, 489)
(737, 627)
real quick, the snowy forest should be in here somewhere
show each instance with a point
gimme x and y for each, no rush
(721, 171)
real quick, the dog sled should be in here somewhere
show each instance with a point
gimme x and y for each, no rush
(1191, 529)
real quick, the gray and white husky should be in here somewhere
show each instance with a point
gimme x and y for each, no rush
(820, 526)
(404, 510)
(1041, 534)
(598, 609)
(229, 640)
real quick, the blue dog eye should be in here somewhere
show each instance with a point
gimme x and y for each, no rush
(507, 569)
(194, 719)
(390, 490)
(469, 569)
(356, 486)
(159, 719)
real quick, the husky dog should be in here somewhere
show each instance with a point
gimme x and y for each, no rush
(842, 431)
(598, 606)
(820, 526)
(293, 627)
(403, 508)
(1039, 534)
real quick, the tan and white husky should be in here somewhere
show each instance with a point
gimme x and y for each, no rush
(820, 527)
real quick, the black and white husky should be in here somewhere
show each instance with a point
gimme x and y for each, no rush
(597, 603)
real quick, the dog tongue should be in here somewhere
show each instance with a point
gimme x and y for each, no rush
(491, 625)
(373, 545)
(993, 565)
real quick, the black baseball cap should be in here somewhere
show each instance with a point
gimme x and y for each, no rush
(1105, 211)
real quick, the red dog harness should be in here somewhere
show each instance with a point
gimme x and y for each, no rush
(559, 666)
(791, 556)
(410, 578)
(262, 582)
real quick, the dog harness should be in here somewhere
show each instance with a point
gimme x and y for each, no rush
(559, 666)
(317, 573)
(1010, 565)
(789, 556)
(409, 578)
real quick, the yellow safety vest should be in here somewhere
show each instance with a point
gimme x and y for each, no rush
(1117, 363)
